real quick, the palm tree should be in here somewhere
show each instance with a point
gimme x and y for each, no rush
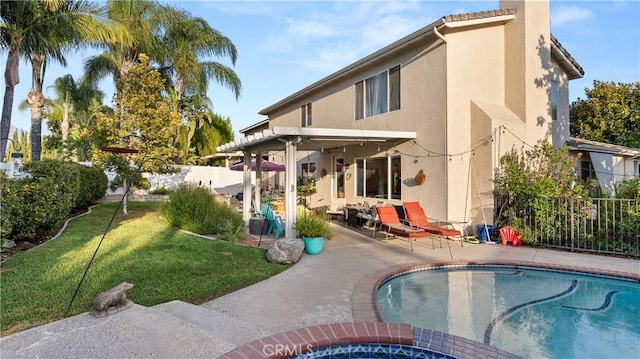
(186, 45)
(25, 28)
(143, 18)
(180, 44)
(74, 24)
(186, 41)
(71, 103)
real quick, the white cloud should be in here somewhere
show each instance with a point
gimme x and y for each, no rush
(311, 28)
(327, 38)
(568, 14)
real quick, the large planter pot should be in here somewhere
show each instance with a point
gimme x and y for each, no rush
(313, 245)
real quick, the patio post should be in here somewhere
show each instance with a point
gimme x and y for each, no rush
(290, 186)
(257, 191)
(246, 193)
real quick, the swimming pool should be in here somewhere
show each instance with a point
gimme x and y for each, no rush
(535, 313)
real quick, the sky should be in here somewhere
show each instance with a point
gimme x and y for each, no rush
(284, 46)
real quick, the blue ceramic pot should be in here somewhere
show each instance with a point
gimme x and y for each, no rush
(313, 245)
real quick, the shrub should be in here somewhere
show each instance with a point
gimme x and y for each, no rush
(50, 194)
(193, 208)
(41, 203)
(10, 206)
(161, 191)
(92, 187)
(527, 180)
(628, 189)
(313, 226)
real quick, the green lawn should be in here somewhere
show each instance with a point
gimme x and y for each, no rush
(163, 264)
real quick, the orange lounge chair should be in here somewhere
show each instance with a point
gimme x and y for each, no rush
(417, 218)
(510, 234)
(391, 225)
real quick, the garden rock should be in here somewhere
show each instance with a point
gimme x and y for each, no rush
(8, 243)
(285, 251)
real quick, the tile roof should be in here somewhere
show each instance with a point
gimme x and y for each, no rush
(567, 55)
(577, 144)
(478, 15)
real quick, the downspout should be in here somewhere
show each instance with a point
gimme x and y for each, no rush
(446, 127)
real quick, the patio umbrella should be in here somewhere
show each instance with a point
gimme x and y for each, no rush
(266, 166)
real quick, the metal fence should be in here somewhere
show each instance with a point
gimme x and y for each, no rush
(601, 225)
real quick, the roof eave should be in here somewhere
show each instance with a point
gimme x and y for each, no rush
(266, 138)
(565, 60)
(580, 144)
(255, 125)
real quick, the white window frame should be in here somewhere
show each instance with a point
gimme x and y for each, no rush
(389, 176)
(362, 108)
(306, 115)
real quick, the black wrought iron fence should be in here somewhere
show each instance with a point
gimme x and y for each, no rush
(602, 225)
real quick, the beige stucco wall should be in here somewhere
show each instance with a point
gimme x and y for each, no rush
(479, 80)
(482, 93)
(422, 110)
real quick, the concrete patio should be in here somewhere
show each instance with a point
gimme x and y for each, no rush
(317, 290)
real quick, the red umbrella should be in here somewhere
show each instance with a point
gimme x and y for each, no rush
(266, 166)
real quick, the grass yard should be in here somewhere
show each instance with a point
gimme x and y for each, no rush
(163, 263)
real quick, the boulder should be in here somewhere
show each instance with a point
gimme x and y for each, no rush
(285, 251)
(8, 243)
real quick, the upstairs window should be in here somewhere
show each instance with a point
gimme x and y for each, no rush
(378, 94)
(305, 115)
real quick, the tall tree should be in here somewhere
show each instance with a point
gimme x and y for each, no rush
(188, 45)
(609, 114)
(143, 18)
(213, 131)
(146, 126)
(71, 103)
(181, 45)
(74, 24)
(24, 28)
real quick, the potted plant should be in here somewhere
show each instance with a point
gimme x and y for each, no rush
(313, 229)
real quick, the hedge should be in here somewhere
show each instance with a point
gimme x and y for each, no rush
(38, 204)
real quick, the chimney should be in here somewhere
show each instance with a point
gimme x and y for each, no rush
(528, 65)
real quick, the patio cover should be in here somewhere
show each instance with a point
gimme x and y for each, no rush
(287, 139)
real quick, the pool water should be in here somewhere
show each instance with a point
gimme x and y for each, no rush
(526, 311)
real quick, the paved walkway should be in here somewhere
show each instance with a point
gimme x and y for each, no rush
(317, 290)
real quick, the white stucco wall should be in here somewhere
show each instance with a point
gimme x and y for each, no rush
(217, 179)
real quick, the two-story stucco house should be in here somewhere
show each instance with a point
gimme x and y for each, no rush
(446, 100)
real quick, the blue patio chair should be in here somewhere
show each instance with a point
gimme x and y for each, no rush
(259, 212)
(275, 222)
